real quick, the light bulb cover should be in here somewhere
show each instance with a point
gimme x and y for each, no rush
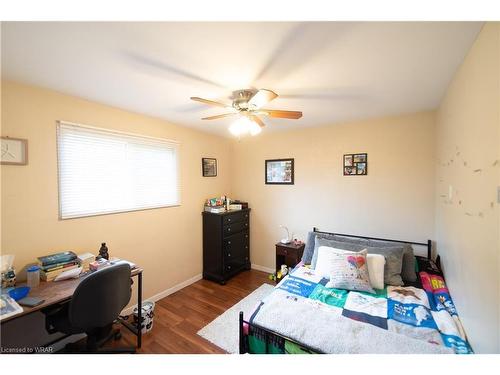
(244, 125)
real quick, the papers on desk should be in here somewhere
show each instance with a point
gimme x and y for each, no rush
(8, 307)
(70, 274)
(119, 261)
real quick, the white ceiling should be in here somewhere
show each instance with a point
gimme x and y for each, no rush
(333, 71)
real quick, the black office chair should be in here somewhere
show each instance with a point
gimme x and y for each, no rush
(95, 305)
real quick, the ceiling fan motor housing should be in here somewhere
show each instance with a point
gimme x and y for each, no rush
(241, 98)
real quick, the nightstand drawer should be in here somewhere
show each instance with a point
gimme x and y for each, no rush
(284, 251)
(235, 217)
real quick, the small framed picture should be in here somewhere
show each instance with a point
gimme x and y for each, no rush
(209, 167)
(359, 158)
(361, 168)
(349, 170)
(279, 172)
(356, 164)
(14, 151)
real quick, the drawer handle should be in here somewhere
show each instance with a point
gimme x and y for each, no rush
(229, 242)
(228, 219)
(228, 267)
(246, 215)
(246, 247)
(246, 236)
(229, 229)
(228, 254)
(246, 224)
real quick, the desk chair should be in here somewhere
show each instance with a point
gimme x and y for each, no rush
(95, 305)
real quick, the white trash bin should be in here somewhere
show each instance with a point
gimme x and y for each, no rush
(147, 315)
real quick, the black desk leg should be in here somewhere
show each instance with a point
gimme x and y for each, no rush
(139, 312)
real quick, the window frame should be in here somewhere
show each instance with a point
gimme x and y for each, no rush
(176, 144)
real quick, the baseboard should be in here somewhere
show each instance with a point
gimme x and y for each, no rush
(165, 293)
(262, 268)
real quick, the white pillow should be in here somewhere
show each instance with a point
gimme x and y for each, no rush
(375, 264)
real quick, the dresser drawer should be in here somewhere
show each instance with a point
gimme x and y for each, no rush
(234, 228)
(235, 217)
(237, 246)
(234, 265)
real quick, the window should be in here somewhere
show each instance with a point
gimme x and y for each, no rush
(102, 171)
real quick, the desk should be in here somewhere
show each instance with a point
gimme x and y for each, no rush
(54, 292)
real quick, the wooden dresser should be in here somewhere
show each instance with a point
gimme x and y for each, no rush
(226, 244)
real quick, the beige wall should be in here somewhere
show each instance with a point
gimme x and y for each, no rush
(467, 225)
(395, 199)
(167, 242)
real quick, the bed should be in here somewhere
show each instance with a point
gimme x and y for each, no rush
(305, 314)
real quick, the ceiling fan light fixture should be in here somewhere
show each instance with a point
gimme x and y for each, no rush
(254, 128)
(243, 126)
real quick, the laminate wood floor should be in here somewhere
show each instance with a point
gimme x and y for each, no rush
(180, 315)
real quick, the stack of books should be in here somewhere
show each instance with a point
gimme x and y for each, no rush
(85, 260)
(215, 209)
(54, 264)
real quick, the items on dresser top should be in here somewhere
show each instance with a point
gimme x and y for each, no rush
(226, 244)
(223, 204)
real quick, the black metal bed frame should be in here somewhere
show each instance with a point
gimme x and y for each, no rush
(268, 334)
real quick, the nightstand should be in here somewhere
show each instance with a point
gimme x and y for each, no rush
(289, 254)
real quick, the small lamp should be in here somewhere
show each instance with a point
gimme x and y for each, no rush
(288, 238)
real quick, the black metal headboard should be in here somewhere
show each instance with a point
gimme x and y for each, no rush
(428, 244)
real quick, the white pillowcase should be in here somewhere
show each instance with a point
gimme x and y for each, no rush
(375, 264)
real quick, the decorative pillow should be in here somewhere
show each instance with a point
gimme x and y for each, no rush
(329, 242)
(346, 271)
(408, 267)
(375, 262)
(393, 257)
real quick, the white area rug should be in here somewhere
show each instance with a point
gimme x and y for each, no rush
(223, 331)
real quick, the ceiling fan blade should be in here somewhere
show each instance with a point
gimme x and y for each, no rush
(261, 98)
(219, 116)
(257, 120)
(281, 114)
(210, 102)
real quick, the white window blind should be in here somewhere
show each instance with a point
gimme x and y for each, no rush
(102, 171)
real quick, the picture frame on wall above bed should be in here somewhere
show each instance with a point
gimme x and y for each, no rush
(279, 171)
(355, 164)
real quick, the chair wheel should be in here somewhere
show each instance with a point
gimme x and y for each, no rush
(117, 336)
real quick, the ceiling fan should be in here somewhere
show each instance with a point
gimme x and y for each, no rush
(248, 104)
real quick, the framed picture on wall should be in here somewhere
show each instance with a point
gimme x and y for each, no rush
(279, 172)
(209, 167)
(14, 151)
(356, 164)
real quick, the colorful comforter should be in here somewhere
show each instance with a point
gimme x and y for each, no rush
(407, 319)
